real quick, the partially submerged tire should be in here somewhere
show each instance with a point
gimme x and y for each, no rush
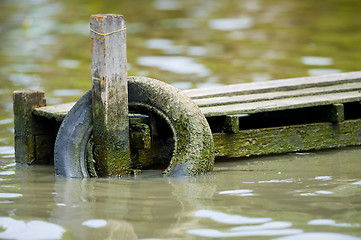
(72, 139)
(193, 147)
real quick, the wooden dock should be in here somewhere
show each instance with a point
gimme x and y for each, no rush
(273, 117)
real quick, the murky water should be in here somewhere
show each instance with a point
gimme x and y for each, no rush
(189, 44)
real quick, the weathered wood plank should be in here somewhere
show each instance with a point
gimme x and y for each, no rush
(57, 112)
(110, 94)
(275, 85)
(321, 90)
(207, 102)
(236, 105)
(282, 104)
(286, 139)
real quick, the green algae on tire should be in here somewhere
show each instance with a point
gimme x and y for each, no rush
(193, 146)
(193, 152)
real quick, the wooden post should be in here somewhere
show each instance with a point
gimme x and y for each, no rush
(25, 124)
(231, 124)
(110, 94)
(336, 113)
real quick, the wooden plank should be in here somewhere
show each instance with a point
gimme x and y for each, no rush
(275, 85)
(282, 104)
(57, 112)
(286, 139)
(257, 102)
(207, 102)
(110, 94)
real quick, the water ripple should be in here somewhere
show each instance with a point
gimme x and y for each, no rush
(239, 192)
(319, 236)
(265, 227)
(34, 229)
(95, 223)
(228, 218)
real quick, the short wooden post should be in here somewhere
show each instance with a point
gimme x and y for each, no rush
(231, 124)
(25, 124)
(336, 113)
(110, 94)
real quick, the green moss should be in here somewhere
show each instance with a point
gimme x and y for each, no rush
(286, 139)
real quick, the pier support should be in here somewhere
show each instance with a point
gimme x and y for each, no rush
(337, 113)
(34, 136)
(110, 97)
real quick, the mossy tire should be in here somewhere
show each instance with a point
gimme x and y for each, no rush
(193, 151)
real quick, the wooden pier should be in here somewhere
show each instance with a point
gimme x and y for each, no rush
(274, 117)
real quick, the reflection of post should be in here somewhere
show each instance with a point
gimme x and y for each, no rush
(91, 209)
(193, 194)
(36, 193)
(110, 97)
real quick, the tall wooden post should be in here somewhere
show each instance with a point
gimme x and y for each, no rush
(110, 94)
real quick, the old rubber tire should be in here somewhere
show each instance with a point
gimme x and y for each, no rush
(193, 151)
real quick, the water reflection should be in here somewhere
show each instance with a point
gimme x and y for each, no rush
(10, 195)
(229, 218)
(266, 229)
(239, 192)
(190, 44)
(229, 24)
(164, 44)
(318, 236)
(167, 4)
(7, 151)
(322, 71)
(330, 222)
(68, 63)
(176, 64)
(316, 61)
(33, 229)
(228, 203)
(67, 92)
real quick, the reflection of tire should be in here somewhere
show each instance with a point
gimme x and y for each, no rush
(193, 147)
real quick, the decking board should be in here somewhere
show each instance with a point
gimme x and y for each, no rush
(275, 85)
(216, 101)
(251, 98)
(282, 104)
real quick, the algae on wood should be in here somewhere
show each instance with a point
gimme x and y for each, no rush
(110, 97)
(304, 137)
(34, 136)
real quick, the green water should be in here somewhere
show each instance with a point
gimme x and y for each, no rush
(189, 44)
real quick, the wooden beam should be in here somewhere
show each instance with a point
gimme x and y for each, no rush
(277, 140)
(110, 95)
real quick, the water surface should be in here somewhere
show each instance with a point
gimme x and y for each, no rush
(189, 44)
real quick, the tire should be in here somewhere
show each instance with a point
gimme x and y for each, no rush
(72, 139)
(193, 147)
